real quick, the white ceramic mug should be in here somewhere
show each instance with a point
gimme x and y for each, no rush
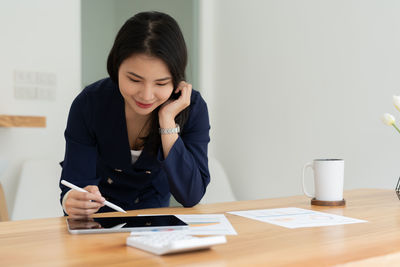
(328, 179)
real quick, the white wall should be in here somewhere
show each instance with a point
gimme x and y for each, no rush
(290, 81)
(38, 36)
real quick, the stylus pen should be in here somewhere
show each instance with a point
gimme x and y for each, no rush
(109, 204)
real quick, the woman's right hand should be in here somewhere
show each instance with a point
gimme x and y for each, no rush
(82, 204)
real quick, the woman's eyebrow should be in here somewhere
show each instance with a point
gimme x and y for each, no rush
(140, 77)
(162, 79)
(134, 74)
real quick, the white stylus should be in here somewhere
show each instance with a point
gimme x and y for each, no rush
(109, 204)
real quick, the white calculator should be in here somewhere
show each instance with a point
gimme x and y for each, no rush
(172, 242)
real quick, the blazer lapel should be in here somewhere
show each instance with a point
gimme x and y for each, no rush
(113, 144)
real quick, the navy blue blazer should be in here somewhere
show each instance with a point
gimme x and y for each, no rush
(98, 153)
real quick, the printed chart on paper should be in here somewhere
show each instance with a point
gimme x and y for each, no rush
(296, 217)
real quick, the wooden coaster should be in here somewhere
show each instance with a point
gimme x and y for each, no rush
(328, 203)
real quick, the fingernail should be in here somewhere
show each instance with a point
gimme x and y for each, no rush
(103, 199)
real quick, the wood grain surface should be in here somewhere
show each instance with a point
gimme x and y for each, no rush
(46, 242)
(22, 121)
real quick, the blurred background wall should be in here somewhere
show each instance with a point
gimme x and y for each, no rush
(299, 80)
(40, 36)
(286, 81)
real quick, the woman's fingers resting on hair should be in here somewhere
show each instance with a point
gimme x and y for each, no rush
(171, 108)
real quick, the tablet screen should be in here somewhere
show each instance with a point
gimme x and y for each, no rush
(124, 224)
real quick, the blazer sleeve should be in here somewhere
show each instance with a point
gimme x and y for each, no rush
(187, 163)
(79, 165)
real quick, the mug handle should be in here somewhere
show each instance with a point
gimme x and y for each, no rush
(308, 165)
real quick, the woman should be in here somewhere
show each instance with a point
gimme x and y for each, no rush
(141, 134)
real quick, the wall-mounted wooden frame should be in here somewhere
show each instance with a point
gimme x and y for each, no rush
(22, 121)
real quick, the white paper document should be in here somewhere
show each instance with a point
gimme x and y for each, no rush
(296, 217)
(208, 224)
(204, 224)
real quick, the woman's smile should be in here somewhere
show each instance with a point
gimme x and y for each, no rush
(143, 105)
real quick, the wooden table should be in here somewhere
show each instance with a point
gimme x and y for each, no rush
(46, 242)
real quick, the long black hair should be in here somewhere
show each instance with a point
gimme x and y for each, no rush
(154, 34)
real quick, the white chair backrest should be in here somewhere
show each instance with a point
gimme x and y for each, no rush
(3, 203)
(219, 189)
(38, 193)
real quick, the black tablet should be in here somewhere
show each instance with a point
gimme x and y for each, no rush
(125, 224)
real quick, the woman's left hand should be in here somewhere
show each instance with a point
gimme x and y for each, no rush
(172, 107)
